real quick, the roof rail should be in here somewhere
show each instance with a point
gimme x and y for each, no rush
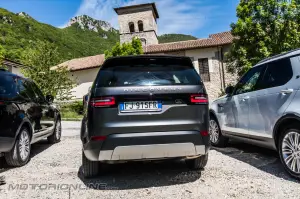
(279, 55)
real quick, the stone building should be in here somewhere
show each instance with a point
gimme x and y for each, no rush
(140, 21)
(207, 56)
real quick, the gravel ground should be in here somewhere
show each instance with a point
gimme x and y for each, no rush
(238, 171)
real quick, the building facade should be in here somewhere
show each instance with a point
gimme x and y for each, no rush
(140, 21)
(207, 56)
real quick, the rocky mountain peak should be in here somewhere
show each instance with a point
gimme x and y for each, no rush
(86, 22)
(24, 14)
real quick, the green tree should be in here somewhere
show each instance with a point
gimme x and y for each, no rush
(132, 48)
(2, 56)
(39, 60)
(264, 28)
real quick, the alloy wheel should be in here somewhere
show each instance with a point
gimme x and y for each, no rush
(24, 145)
(214, 131)
(291, 151)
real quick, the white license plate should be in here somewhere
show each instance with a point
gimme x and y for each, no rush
(140, 106)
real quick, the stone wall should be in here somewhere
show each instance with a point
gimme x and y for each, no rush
(214, 86)
(150, 37)
(149, 23)
(230, 79)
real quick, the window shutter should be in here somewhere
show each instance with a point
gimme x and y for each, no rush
(204, 69)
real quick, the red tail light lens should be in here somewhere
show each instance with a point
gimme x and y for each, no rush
(204, 133)
(1, 103)
(98, 138)
(199, 99)
(103, 101)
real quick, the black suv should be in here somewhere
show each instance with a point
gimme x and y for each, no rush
(145, 108)
(26, 117)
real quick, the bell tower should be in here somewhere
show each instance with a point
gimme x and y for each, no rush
(138, 21)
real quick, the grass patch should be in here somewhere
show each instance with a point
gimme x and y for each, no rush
(71, 111)
(67, 115)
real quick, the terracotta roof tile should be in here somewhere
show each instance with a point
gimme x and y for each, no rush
(213, 40)
(83, 63)
(11, 63)
(218, 39)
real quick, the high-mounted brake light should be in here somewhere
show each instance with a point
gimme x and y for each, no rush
(103, 101)
(199, 99)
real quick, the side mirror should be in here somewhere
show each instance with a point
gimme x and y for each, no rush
(49, 98)
(229, 90)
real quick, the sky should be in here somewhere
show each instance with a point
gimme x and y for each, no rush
(193, 17)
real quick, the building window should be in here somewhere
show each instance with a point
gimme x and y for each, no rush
(204, 69)
(141, 26)
(131, 27)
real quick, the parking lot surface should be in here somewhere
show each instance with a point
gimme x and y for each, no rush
(238, 171)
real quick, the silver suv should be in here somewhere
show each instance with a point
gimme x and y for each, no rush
(263, 109)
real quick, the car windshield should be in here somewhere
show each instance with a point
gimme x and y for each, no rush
(148, 73)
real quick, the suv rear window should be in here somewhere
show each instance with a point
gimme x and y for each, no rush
(147, 72)
(7, 86)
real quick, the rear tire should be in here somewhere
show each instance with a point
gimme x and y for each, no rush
(289, 150)
(216, 137)
(197, 163)
(89, 168)
(20, 153)
(55, 137)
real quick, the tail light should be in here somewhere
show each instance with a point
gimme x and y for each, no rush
(1, 103)
(98, 138)
(199, 99)
(204, 133)
(103, 101)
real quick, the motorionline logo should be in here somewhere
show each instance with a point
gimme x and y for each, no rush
(98, 186)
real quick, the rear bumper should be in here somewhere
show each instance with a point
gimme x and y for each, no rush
(6, 144)
(154, 145)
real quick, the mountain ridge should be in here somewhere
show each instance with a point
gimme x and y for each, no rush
(83, 36)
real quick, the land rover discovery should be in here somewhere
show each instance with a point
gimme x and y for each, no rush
(263, 109)
(145, 108)
(26, 117)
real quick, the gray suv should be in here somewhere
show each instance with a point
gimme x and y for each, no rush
(263, 109)
(145, 108)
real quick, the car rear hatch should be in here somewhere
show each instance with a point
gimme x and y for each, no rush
(147, 94)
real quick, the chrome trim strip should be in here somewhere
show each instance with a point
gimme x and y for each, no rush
(138, 152)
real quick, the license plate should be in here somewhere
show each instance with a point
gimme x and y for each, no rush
(140, 106)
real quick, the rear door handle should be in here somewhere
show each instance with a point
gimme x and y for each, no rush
(287, 91)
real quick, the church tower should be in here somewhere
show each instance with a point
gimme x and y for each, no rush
(138, 21)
